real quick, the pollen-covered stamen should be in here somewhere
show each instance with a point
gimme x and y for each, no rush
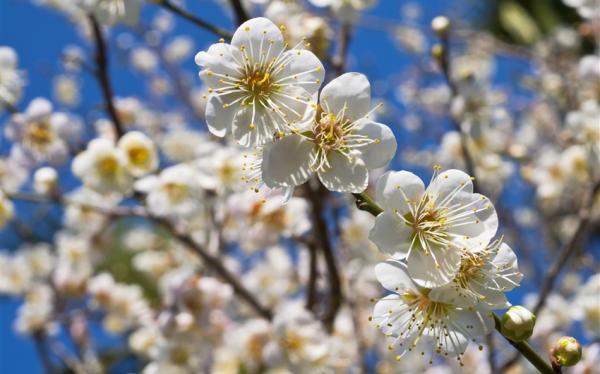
(418, 316)
(38, 135)
(335, 133)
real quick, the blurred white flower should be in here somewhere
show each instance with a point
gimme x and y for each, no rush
(11, 78)
(141, 156)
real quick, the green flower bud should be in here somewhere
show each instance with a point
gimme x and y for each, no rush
(566, 352)
(518, 323)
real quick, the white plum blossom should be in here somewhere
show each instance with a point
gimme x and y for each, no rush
(41, 134)
(175, 191)
(432, 227)
(341, 144)
(346, 10)
(110, 12)
(140, 153)
(7, 210)
(11, 79)
(411, 316)
(257, 88)
(483, 277)
(102, 167)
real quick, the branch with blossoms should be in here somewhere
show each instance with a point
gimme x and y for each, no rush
(282, 238)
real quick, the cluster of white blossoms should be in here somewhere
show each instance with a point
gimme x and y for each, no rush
(446, 274)
(265, 96)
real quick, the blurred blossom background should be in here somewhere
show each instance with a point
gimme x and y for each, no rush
(110, 290)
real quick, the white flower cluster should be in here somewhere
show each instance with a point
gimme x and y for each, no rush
(446, 274)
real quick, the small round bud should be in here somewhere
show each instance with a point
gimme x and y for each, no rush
(45, 180)
(566, 352)
(440, 25)
(437, 52)
(518, 323)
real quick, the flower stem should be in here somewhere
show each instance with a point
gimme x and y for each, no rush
(526, 351)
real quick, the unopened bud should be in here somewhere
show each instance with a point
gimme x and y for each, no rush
(440, 25)
(437, 52)
(566, 352)
(45, 180)
(518, 323)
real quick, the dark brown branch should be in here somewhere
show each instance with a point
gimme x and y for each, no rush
(311, 287)
(241, 15)
(101, 58)
(216, 264)
(39, 341)
(339, 61)
(316, 196)
(168, 5)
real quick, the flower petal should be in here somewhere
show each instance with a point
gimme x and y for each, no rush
(395, 187)
(218, 118)
(260, 38)
(379, 153)
(286, 162)
(393, 276)
(349, 94)
(391, 234)
(434, 269)
(345, 174)
(257, 133)
(304, 69)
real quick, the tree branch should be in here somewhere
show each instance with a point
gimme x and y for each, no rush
(240, 13)
(102, 76)
(316, 195)
(173, 8)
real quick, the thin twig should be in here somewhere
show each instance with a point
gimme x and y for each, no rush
(173, 8)
(445, 65)
(216, 264)
(102, 76)
(138, 211)
(241, 15)
(43, 352)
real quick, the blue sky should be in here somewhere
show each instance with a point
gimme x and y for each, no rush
(39, 36)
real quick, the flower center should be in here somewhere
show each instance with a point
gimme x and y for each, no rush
(38, 133)
(138, 155)
(470, 267)
(176, 192)
(328, 133)
(107, 166)
(258, 83)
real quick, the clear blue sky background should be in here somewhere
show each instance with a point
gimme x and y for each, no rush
(40, 34)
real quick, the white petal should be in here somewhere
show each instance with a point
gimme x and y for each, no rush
(381, 152)
(286, 162)
(218, 119)
(345, 175)
(480, 322)
(303, 68)
(220, 59)
(351, 91)
(393, 276)
(261, 39)
(434, 269)
(507, 267)
(395, 187)
(249, 134)
(391, 234)
(450, 182)
(480, 226)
